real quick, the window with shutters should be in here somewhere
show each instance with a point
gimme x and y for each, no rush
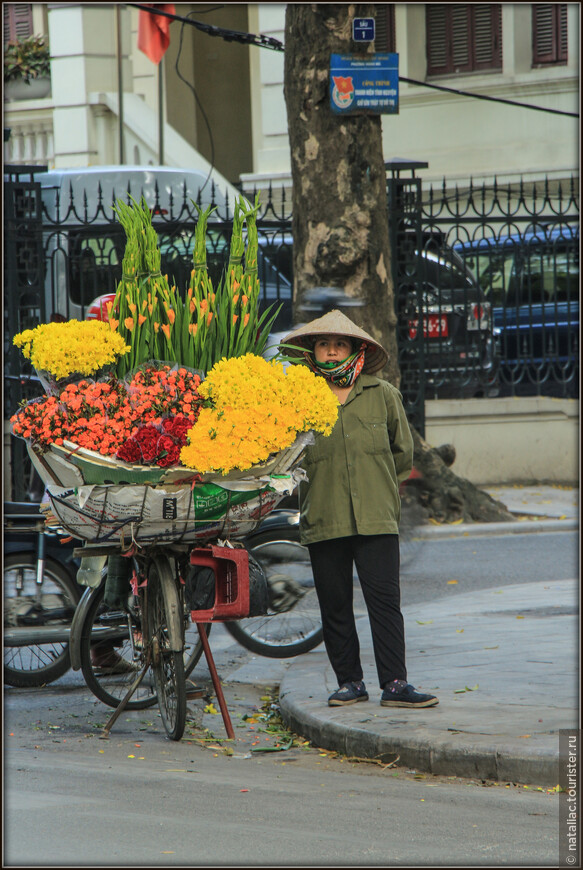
(549, 33)
(463, 37)
(17, 21)
(384, 39)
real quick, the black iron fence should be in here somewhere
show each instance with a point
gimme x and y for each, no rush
(486, 279)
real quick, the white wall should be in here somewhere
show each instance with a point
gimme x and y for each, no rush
(508, 440)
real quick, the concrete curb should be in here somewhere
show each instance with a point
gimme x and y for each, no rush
(450, 530)
(506, 761)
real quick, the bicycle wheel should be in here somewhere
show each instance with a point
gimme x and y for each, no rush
(163, 600)
(111, 632)
(40, 612)
(293, 624)
(116, 634)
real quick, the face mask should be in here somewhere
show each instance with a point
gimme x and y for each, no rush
(343, 373)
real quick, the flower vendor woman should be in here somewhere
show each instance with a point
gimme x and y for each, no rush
(350, 507)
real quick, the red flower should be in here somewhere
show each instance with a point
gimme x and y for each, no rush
(168, 451)
(130, 451)
(177, 426)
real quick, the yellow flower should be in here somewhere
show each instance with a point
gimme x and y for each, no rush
(73, 347)
(257, 410)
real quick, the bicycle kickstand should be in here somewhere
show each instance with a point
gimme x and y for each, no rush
(122, 705)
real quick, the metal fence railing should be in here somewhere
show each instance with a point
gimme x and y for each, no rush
(486, 279)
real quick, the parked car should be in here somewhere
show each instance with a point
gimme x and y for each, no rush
(532, 282)
(459, 354)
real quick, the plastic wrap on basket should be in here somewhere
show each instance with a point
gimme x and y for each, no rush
(124, 515)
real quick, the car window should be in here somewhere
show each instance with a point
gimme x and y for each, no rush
(94, 264)
(544, 273)
(444, 269)
(493, 268)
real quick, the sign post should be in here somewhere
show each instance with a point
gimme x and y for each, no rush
(363, 29)
(364, 84)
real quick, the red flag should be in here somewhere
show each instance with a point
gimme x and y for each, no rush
(154, 31)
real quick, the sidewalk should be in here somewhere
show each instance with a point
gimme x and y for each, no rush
(504, 665)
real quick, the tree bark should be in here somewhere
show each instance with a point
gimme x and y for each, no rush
(443, 496)
(340, 222)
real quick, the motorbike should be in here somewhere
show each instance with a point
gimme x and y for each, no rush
(40, 597)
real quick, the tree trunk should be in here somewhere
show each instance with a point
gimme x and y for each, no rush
(442, 495)
(340, 222)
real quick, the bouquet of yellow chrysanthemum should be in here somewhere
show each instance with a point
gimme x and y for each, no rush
(257, 408)
(72, 348)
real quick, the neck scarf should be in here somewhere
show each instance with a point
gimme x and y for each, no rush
(342, 374)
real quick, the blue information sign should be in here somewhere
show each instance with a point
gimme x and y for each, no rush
(363, 29)
(361, 84)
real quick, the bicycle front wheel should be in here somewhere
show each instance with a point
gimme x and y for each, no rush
(167, 664)
(293, 624)
(36, 621)
(112, 652)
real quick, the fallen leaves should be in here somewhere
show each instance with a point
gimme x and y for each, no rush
(467, 689)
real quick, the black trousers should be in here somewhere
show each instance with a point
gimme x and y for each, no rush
(376, 558)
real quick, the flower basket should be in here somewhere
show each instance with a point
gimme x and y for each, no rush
(103, 500)
(136, 514)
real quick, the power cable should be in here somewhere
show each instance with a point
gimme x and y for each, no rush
(213, 30)
(484, 97)
(198, 102)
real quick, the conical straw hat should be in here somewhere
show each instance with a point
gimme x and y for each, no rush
(337, 323)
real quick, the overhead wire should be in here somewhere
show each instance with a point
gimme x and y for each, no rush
(197, 99)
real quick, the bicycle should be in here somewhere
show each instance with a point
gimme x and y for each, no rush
(290, 625)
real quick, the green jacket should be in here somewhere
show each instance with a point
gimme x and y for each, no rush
(354, 473)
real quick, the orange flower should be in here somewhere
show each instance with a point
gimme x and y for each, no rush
(246, 320)
(209, 318)
(193, 328)
(141, 319)
(171, 315)
(129, 323)
(235, 318)
(166, 330)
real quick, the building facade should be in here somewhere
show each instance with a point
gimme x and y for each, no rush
(475, 79)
